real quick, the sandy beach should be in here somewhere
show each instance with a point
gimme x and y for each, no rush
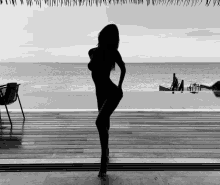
(131, 100)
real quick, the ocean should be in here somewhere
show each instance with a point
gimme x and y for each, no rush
(70, 86)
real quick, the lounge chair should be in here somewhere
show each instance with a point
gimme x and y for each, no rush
(8, 95)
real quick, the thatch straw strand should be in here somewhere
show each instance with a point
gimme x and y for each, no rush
(106, 2)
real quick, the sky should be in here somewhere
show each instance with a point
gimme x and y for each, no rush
(147, 33)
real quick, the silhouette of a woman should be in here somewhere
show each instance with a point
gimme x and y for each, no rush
(103, 59)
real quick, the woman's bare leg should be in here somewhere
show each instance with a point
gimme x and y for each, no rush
(103, 123)
(101, 100)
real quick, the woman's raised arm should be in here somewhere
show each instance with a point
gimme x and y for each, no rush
(121, 64)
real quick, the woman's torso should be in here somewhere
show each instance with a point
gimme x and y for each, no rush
(103, 84)
(101, 71)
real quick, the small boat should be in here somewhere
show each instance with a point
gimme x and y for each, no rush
(161, 88)
(194, 88)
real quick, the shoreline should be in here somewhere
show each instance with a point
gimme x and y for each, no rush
(130, 101)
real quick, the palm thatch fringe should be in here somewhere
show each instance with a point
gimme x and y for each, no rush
(100, 2)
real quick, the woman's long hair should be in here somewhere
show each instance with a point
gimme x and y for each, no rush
(109, 38)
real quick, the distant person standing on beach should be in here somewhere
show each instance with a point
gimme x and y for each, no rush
(103, 59)
(175, 82)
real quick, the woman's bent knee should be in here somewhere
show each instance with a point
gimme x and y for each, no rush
(102, 122)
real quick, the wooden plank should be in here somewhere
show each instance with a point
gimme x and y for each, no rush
(67, 135)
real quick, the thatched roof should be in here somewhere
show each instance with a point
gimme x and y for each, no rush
(115, 2)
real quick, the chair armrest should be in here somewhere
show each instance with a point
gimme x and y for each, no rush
(6, 85)
(3, 85)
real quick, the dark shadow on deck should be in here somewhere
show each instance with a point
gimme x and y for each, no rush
(111, 167)
(10, 138)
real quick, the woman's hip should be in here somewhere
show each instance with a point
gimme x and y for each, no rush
(108, 107)
(109, 93)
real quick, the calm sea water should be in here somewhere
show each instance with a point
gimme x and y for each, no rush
(59, 85)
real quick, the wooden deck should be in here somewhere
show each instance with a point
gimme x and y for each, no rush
(67, 135)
